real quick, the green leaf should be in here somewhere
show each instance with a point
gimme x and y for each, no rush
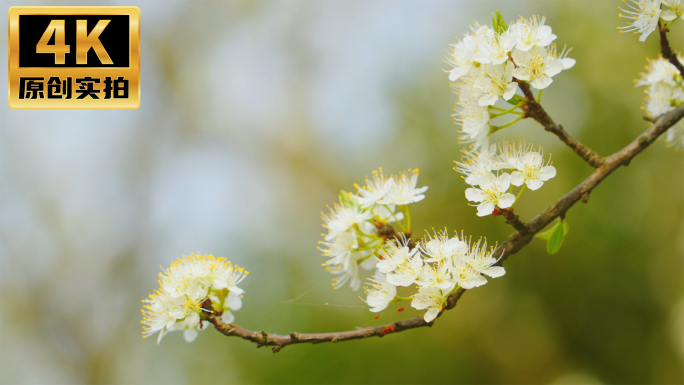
(546, 235)
(494, 21)
(500, 23)
(554, 236)
(556, 241)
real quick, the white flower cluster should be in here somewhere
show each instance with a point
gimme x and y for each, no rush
(354, 223)
(487, 62)
(664, 93)
(490, 190)
(184, 287)
(645, 15)
(437, 266)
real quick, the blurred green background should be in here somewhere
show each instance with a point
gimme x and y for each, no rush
(253, 116)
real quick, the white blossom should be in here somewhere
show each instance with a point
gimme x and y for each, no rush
(430, 298)
(529, 165)
(440, 247)
(478, 261)
(387, 213)
(345, 257)
(494, 82)
(531, 33)
(184, 287)
(375, 188)
(562, 57)
(406, 273)
(659, 71)
(404, 191)
(339, 249)
(536, 66)
(492, 193)
(645, 15)
(437, 275)
(675, 136)
(659, 99)
(348, 271)
(228, 277)
(344, 215)
(665, 89)
(400, 264)
(190, 333)
(492, 47)
(473, 119)
(475, 164)
(461, 58)
(379, 292)
(676, 10)
(232, 303)
(396, 252)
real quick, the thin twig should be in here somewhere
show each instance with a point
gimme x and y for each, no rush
(537, 112)
(512, 245)
(667, 51)
(513, 220)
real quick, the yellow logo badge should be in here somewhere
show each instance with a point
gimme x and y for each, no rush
(74, 57)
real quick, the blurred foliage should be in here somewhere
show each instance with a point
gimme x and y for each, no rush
(608, 307)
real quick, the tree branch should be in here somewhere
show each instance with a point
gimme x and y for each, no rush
(667, 51)
(512, 245)
(514, 220)
(537, 112)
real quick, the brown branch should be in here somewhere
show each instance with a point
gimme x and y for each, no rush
(536, 111)
(512, 245)
(667, 51)
(514, 220)
(279, 341)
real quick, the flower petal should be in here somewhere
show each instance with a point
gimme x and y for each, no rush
(485, 209)
(517, 178)
(534, 184)
(541, 82)
(520, 74)
(233, 301)
(474, 195)
(510, 90)
(488, 100)
(546, 173)
(227, 317)
(190, 334)
(668, 15)
(474, 280)
(431, 315)
(504, 181)
(494, 271)
(506, 200)
(457, 72)
(192, 319)
(568, 62)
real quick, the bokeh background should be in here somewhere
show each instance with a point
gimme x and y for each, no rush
(253, 116)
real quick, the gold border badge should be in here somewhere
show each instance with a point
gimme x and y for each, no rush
(69, 75)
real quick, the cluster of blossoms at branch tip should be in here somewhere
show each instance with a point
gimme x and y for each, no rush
(664, 92)
(437, 266)
(355, 224)
(184, 288)
(645, 15)
(489, 62)
(489, 185)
